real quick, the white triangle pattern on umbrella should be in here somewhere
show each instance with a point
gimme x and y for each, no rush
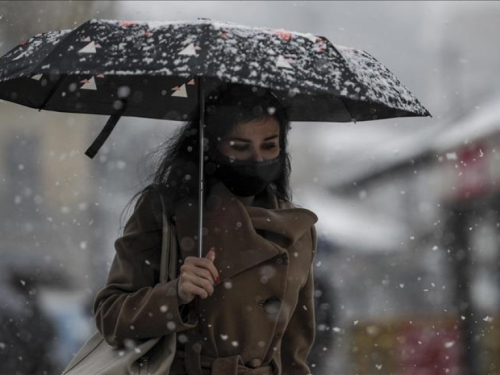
(180, 92)
(188, 51)
(311, 37)
(89, 48)
(89, 85)
(283, 63)
(37, 77)
(21, 55)
(371, 77)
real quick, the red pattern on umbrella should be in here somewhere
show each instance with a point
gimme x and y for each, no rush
(127, 23)
(283, 34)
(371, 81)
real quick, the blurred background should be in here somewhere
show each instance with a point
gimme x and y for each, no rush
(407, 268)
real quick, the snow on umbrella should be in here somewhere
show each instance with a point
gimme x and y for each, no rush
(147, 69)
(161, 70)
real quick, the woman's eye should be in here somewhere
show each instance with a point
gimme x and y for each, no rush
(239, 147)
(269, 146)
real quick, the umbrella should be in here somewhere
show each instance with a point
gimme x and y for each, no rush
(162, 70)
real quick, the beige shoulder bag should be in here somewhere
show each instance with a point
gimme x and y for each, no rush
(97, 357)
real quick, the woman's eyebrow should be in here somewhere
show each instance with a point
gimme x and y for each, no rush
(239, 139)
(271, 137)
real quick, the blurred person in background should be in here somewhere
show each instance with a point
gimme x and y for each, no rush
(27, 334)
(324, 295)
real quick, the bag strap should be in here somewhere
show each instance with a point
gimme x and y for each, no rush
(169, 249)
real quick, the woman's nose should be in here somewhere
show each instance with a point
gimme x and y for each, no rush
(257, 156)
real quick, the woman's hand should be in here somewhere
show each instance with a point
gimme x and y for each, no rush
(197, 278)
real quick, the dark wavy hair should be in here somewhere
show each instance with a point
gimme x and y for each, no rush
(175, 163)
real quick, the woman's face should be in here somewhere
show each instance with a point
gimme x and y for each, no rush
(256, 140)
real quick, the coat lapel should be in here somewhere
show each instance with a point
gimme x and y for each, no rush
(242, 236)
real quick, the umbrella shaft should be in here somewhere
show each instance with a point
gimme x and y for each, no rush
(201, 101)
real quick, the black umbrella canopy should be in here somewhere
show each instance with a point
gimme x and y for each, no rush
(163, 70)
(148, 69)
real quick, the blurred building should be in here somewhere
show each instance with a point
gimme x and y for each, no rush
(51, 240)
(423, 295)
(44, 177)
(463, 36)
(431, 304)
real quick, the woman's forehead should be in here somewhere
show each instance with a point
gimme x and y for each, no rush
(259, 128)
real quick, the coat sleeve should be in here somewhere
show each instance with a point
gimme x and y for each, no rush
(300, 333)
(134, 304)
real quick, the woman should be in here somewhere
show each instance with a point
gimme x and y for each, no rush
(255, 311)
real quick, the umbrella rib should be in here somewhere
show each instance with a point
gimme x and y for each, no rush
(57, 84)
(52, 92)
(347, 109)
(427, 113)
(58, 45)
(353, 76)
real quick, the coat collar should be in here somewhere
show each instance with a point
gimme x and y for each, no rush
(242, 236)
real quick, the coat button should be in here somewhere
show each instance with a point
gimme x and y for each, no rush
(284, 256)
(272, 305)
(254, 363)
(282, 259)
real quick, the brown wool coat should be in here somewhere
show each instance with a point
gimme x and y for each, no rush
(260, 319)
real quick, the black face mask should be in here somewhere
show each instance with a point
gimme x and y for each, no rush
(245, 177)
